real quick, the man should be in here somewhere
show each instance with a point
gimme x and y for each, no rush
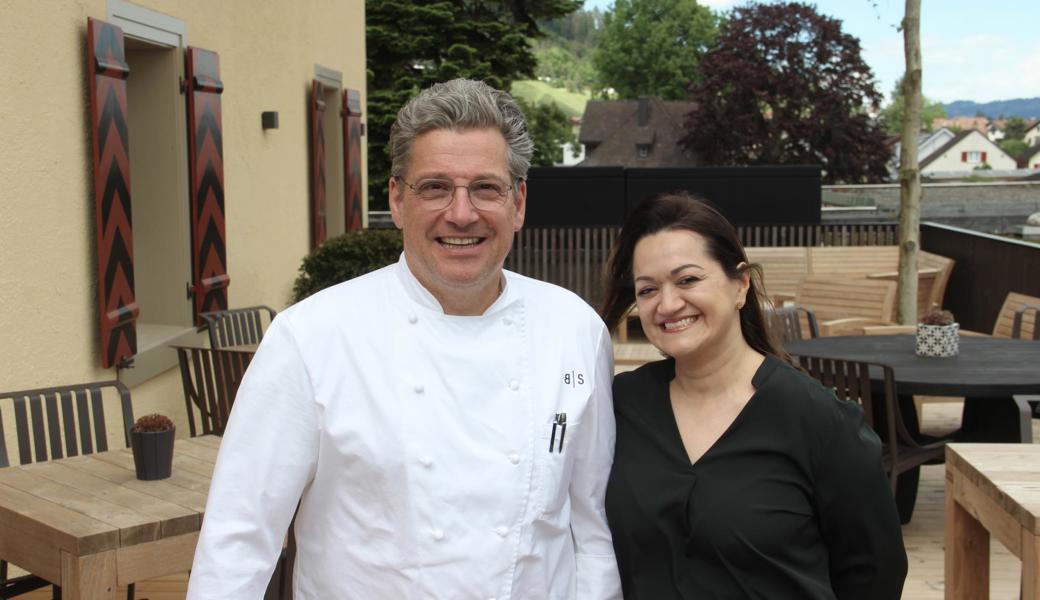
(445, 425)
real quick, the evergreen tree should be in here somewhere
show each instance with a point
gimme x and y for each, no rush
(784, 85)
(652, 47)
(412, 45)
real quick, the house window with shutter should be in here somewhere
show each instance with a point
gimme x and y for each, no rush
(972, 156)
(328, 209)
(158, 186)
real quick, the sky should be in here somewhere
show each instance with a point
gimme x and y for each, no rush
(970, 50)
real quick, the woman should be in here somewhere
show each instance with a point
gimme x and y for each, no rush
(735, 475)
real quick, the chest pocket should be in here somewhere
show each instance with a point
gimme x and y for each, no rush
(555, 452)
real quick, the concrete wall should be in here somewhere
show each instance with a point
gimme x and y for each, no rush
(987, 207)
(268, 52)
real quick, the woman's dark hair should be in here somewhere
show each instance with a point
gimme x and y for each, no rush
(681, 211)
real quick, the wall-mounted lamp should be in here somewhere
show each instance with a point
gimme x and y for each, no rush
(269, 119)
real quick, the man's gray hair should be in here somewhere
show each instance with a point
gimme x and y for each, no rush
(461, 104)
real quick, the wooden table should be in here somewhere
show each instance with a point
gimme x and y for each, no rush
(991, 489)
(88, 524)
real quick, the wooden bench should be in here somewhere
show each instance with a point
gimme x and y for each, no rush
(785, 267)
(844, 305)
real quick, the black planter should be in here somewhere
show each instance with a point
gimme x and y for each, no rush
(153, 453)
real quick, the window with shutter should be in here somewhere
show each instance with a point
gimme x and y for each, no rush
(107, 72)
(206, 172)
(317, 131)
(352, 168)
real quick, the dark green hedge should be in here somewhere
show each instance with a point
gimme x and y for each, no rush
(345, 257)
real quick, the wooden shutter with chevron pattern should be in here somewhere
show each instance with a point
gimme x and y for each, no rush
(352, 133)
(319, 230)
(107, 72)
(206, 170)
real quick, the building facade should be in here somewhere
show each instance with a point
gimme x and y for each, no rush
(163, 158)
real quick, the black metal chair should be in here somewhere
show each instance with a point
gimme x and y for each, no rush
(787, 323)
(850, 380)
(57, 422)
(237, 326)
(210, 377)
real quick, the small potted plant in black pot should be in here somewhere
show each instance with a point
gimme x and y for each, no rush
(938, 334)
(151, 439)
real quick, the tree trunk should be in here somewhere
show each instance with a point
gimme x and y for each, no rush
(909, 173)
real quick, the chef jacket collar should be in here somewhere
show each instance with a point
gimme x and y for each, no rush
(422, 296)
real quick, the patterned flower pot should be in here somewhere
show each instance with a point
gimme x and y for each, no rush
(153, 453)
(938, 340)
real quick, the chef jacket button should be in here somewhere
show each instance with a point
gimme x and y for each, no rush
(413, 319)
(514, 458)
(514, 385)
(437, 534)
(502, 530)
(419, 388)
(426, 461)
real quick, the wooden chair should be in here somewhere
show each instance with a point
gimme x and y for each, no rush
(237, 326)
(57, 422)
(850, 380)
(210, 377)
(843, 304)
(792, 323)
(1018, 317)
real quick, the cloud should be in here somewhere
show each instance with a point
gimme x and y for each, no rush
(979, 67)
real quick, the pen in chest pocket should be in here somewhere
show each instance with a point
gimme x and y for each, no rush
(560, 421)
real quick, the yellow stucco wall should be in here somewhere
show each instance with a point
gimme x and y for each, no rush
(268, 52)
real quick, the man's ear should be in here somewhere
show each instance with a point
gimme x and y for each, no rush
(521, 204)
(396, 201)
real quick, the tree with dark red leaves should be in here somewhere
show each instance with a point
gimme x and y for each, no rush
(784, 85)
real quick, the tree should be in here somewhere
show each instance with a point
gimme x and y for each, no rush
(1013, 147)
(909, 170)
(652, 47)
(549, 130)
(411, 45)
(1015, 129)
(784, 85)
(893, 113)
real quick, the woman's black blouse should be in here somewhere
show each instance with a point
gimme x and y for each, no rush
(791, 502)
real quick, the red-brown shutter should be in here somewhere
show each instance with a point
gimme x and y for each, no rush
(352, 158)
(317, 112)
(107, 71)
(983, 157)
(206, 169)
(964, 157)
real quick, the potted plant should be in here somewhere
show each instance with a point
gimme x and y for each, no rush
(151, 440)
(937, 334)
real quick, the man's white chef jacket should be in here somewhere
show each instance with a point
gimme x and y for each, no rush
(423, 447)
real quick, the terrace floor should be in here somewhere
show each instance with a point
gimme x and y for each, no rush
(923, 536)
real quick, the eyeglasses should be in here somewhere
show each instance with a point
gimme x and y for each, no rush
(484, 194)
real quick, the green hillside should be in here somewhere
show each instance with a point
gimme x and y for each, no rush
(534, 91)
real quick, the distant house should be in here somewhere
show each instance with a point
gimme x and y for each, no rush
(965, 152)
(927, 143)
(1030, 159)
(635, 133)
(1032, 136)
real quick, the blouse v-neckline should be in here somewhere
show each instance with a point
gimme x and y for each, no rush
(761, 374)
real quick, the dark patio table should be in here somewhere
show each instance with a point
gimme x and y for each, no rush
(988, 372)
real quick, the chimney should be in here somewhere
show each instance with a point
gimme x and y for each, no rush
(643, 115)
